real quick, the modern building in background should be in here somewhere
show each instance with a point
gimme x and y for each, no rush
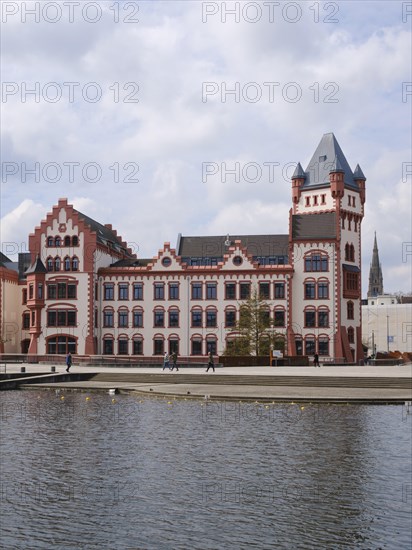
(81, 289)
(386, 319)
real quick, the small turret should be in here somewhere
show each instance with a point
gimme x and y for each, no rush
(298, 180)
(336, 177)
(360, 179)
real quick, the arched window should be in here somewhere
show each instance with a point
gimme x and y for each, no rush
(310, 344)
(123, 317)
(196, 317)
(323, 344)
(323, 317)
(197, 345)
(352, 253)
(350, 310)
(123, 345)
(230, 317)
(351, 335)
(280, 316)
(50, 241)
(316, 261)
(174, 344)
(323, 289)
(137, 344)
(108, 317)
(158, 317)
(211, 317)
(57, 263)
(49, 264)
(138, 317)
(61, 345)
(66, 240)
(158, 344)
(57, 241)
(75, 240)
(66, 263)
(310, 317)
(75, 263)
(211, 344)
(173, 317)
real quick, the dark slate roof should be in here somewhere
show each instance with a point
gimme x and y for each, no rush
(358, 174)
(36, 267)
(105, 235)
(23, 263)
(215, 247)
(299, 172)
(132, 262)
(328, 157)
(4, 258)
(314, 226)
(351, 268)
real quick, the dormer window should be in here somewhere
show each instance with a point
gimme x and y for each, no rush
(322, 158)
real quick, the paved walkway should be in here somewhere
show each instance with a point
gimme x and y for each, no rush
(245, 391)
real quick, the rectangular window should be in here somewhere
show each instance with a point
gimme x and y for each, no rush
(137, 319)
(108, 318)
(211, 347)
(230, 291)
(159, 319)
(279, 290)
(173, 291)
(61, 291)
(264, 291)
(108, 291)
(309, 291)
(61, 319)
(244, 291)
(323, 199)
(40, 291)
(309, 346)
(31, 292)
(137, 347)
(52, 318)
(316, 262)
(71, 318)
(315, 200)
(323, 290)
(159, 291)
(211, 291)
(123, 318)
(24, 296)
(310, 318)
(123, 347)
(51, 292)
(323, 318)
(211, 318)
(138, 291)
(26, 321)
(230, 318)
(197, 291)
(71, 291)
(123, 291)
(279, 318)
(158, 346)
(323, 344)
(108, 347)
(307, 201)
(173, 346)
(196, 318)
(196, 347)
(173, 319)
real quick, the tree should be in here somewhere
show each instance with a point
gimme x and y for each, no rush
(254, 332)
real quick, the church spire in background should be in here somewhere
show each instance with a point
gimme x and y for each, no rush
(375, 273)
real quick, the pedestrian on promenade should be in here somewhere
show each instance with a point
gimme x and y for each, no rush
(174, 361)
(211, 363)
(316, 360)
(68, 361)
(166, 363)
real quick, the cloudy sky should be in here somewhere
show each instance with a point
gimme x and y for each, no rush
(125, 109)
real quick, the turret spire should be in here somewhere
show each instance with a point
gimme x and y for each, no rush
(375, 273)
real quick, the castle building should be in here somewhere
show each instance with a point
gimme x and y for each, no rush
(81, 288)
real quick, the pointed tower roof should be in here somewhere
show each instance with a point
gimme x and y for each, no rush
(299, 172)
(358, 174)
(328, 157)
(375, 273)
(36, 267)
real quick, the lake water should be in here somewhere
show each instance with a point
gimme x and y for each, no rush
(146, 473)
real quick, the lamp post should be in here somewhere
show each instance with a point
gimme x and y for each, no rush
(387, 331)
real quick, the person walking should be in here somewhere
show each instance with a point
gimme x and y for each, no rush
(68, 361)
(166, 362)
(174, 361)
(316, 360)
(211, 363)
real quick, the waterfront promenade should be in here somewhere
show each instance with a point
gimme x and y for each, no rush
(366, 384)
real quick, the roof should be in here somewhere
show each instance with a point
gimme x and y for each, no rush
(104, 233)
(217, 246)
(36, 267)
(328, 157)
(132, 262)
(314, 226)
(4, 258)
(351, 268)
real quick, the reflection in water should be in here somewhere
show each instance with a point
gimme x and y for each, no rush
(155, 473)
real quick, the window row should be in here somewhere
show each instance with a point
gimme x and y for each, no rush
(315, 200)
(65, 241)
(316, 262)
(316, 290)
(68, 264)
(312, 344)
(316, 318)
(198, 291)
(61, 318)
(61, 291)
(125, 346)
(198, 318)
(350, 219)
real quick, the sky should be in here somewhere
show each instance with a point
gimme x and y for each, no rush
(189, 117)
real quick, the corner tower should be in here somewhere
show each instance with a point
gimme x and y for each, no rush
(325, 245)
